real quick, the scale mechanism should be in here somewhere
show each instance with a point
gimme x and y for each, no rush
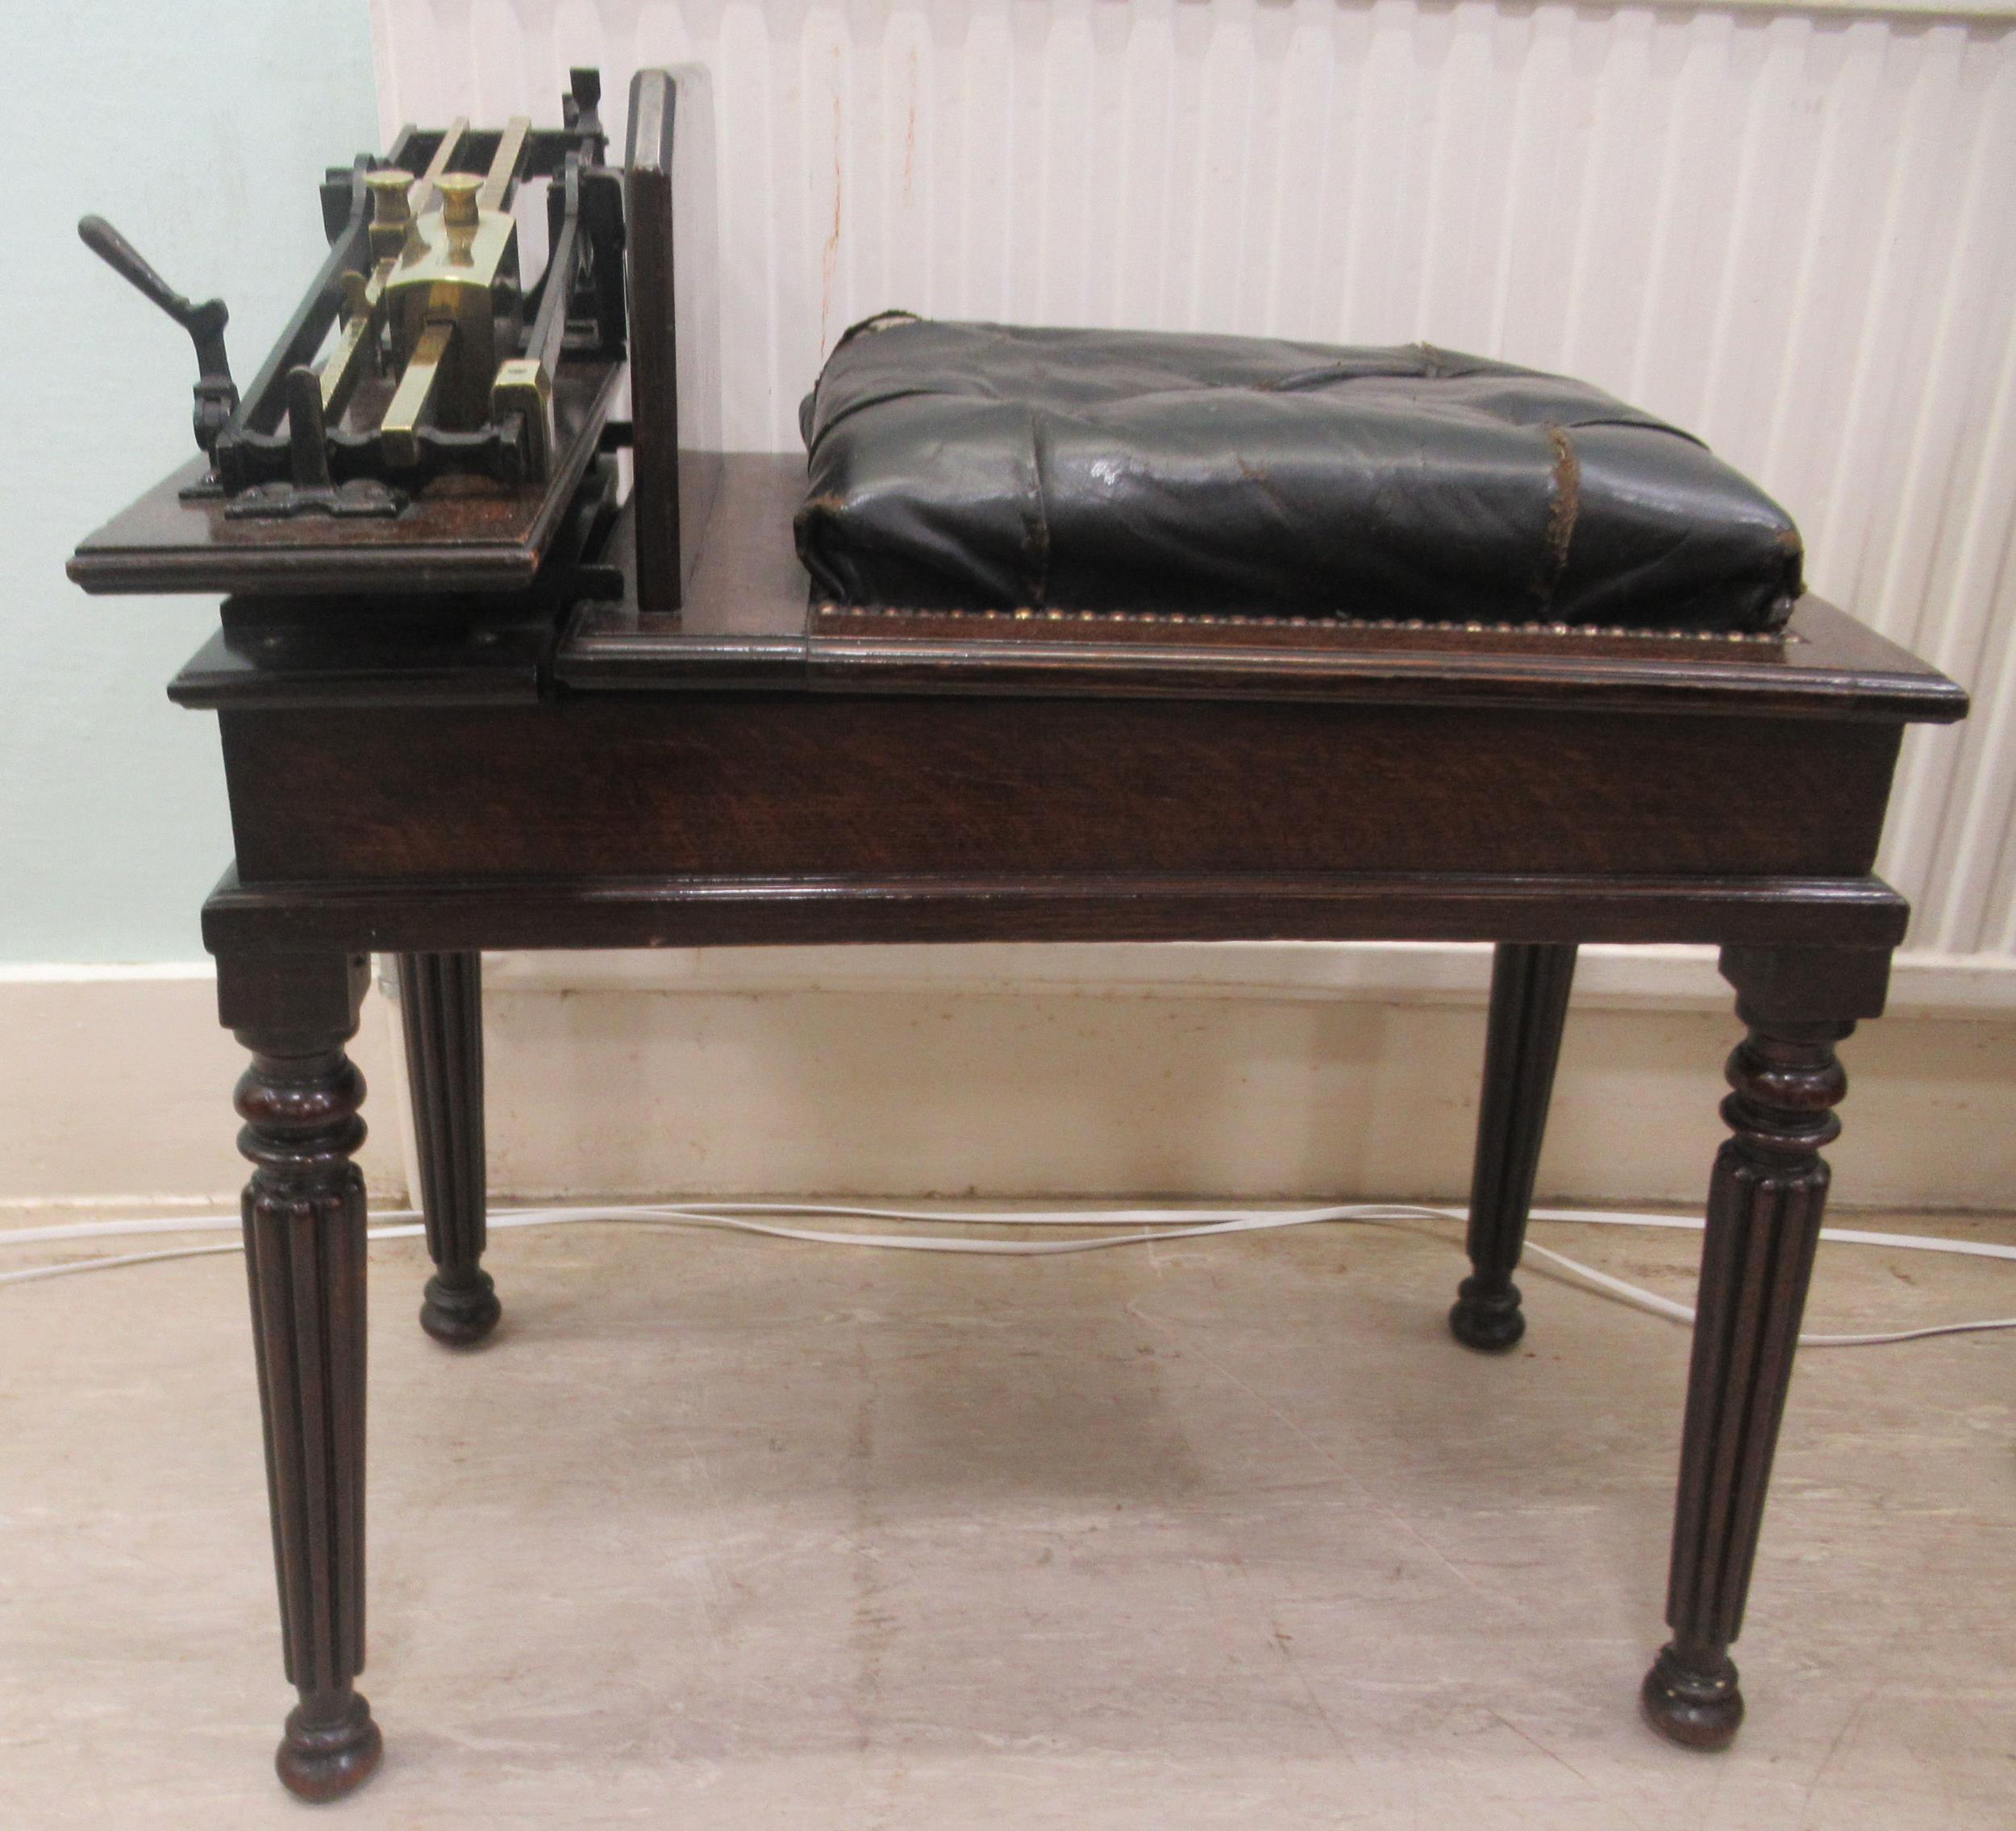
(429, 417)
(441, 361)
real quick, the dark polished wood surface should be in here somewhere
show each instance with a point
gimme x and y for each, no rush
(304, 1225)
(460, 533)
(441, 1012)
(775, 785)
(707, 911)
(1522, 1041)
(554, 767)
(747, 619)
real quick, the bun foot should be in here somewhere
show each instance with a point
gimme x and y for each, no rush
(331, 1747)
(1693, 1700)
(460, 1315)
(1489, 1320)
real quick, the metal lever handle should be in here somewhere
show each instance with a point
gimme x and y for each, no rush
(216, 393)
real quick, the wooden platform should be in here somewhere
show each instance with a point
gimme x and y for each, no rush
(749, 616)
(459, 533)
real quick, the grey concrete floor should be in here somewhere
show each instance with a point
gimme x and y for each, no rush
(719, 1532)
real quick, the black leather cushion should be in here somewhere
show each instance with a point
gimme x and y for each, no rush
(981, 466)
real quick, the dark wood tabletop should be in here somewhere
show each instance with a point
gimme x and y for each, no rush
(828, 772)
(749, 616)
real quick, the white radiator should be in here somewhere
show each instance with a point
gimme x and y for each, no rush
(1792, 231)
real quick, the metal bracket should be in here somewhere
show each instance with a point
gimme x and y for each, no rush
(361, 496)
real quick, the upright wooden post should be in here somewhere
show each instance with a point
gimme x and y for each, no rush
(654, 367)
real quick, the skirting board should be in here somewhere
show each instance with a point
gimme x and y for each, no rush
(115, 1093)
(1268, 1071)
(1972, 986)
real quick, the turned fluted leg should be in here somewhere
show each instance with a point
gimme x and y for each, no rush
(1529, 1005)
(304, 1220)
(1765, 1204)
(441, 1004)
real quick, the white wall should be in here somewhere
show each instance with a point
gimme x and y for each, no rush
(1048, 1093)
(1787, 226)
(200, 132)
(959, 1071)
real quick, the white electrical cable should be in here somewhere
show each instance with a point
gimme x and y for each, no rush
(1160, 1223)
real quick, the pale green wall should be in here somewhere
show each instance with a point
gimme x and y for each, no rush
(201, 130)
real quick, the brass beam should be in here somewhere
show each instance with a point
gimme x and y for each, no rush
(350, 359)
(510, 150)
(522, 387)
(396, 439)
(422, 195)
